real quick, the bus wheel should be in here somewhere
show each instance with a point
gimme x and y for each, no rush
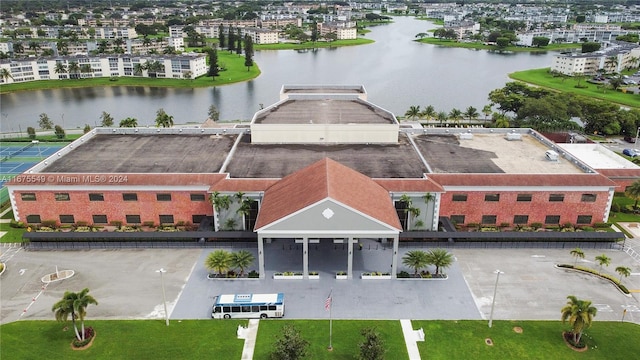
(227, 316)
(263, 316)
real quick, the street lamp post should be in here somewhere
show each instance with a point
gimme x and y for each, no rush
(637, 133)
(495, 290)
(164, 298)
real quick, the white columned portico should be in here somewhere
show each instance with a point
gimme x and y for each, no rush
(305, 257)
(394, 261)
(350, 257)
(261, 256)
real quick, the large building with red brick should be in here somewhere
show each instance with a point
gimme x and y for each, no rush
(328, 141)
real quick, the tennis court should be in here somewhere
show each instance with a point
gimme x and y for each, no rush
(16, 158)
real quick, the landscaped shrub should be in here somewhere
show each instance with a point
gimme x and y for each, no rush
(116, 223)
(600, 225)
(32, 132)
(403, 275)
(586, 228)
(49, 223)
(615, 207)
(553, 227)
(17, 224)
(253, 274)
(536, 225)
(149, 224)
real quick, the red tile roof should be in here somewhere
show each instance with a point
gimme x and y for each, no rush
(235, 185)
(116, 179)
(327, 179)
(410, 185)
(475, 180)
(620, 173)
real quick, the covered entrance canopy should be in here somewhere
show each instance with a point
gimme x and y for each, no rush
(327, 200)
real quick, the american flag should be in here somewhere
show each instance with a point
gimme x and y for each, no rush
(327, 303)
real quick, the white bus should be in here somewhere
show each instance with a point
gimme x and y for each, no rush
(248, 306)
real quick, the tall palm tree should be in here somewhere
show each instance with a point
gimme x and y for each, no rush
(139, 68)
(416, 259)
(73, 68)
(241, 259)
(163, 119)
(5, 74)
(623, 271)
(428, 113)
(440, 258)
(218, 260)
(580, 315)
(603, 260)
(129, 122)
(85, 69)
(442, 117)
(455, 115)
(577, 253)
(611, 63)
(80, 304)
(413, 112)
(60, 68)
(486, 110)
(633, 191)
(471, 113)
(64, 308)
(34, 46)
(220, 202)
(18, 48)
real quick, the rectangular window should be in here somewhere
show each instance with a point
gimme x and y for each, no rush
(520, 219)
(552, 220)
(130, 197)
(163, 197)
(584, 219)
(197, 219)
(556, 197)
(166, 219)
(133, 219)
(236, 309)
(62, 197)
(588, 198)
(524, 197)
(67, 219)
(197, 197)
(28, 196)
(491, 197)
(489, 219)
(100, 219)
(33, 219)
(457, 219)
(96, 197)
(459, 197)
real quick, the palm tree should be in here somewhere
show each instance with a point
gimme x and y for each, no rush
(18, 48)
(60, 68)
(163, 119)
(577, 253)
(413, 112)
(580, 314)
(64, 307)
(73, 68)
(603, 260)
(80, 307)
(455, 115)
(241, 259)
(416, 259)
(139, 68)
(471, 113)
(441, 258)
(623, 271)
(34, 46)
(129, 122)
(5, 74)
(486, 110)
(633, 191)
(501, 120)
(611, 62)
(218, 260)
(429, 112)
(85, 69)
(220, 201)
(442, 117)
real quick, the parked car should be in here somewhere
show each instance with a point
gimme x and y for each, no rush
(630, 139)
(631, 152)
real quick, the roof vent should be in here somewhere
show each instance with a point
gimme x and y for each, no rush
(513, 136)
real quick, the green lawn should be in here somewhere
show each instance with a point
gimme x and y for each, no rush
(539, 340)
(13, 235)
(234, 64)
(346, 336)
(193, 339)
(542, 77)
(482, 46)
(312, 45)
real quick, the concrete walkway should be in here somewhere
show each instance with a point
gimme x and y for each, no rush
(4, 221)
(249, 334)
(410, 338)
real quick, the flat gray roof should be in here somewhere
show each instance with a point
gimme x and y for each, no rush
(134, 153)
(278, 160)
(324, 111)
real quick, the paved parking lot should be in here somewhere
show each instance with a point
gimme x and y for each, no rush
(127, 287)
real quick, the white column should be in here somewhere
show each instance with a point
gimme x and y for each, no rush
(394, 261)
(261, 257)
(350, 258)
(305, 257)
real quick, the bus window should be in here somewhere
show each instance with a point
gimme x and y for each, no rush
(226, 309)
(246, 308)
(263, 307)
(272, 307)
(235, 309)
(255, 308)
(217, 309)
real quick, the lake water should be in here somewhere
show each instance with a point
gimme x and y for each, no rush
(396, 71)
